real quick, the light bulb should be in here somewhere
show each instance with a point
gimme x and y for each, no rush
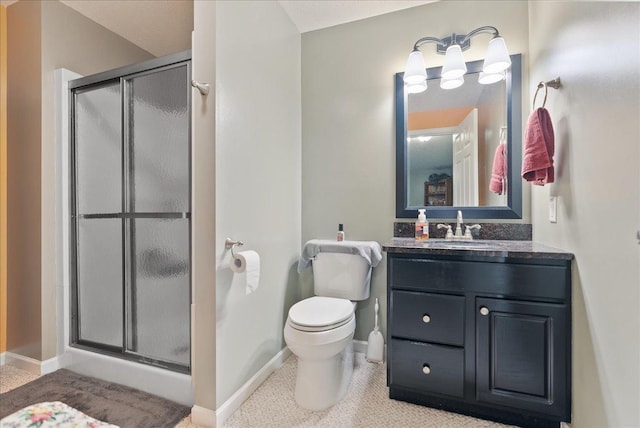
(451, 83)
(454, 65)
(416, 88)
(497, 58)
(489, 78)
(416, 71)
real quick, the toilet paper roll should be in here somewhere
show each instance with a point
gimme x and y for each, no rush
(249, 262)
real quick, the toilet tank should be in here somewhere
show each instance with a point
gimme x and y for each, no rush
(346, 276)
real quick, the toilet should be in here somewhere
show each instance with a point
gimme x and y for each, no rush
(319, 330)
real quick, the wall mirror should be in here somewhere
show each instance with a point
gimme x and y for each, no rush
(446, 140)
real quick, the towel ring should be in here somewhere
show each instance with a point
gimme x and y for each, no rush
(555, 84)
(544, 101)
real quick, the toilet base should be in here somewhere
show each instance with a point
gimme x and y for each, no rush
(321, 383)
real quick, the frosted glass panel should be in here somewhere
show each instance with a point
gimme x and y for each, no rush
(160, 300)
(99, 150)
(159, 132)
(99, 267)
(132, 169)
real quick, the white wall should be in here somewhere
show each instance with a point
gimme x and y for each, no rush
(595, 49)
(203, 191)
(348, 142)
(257, 182)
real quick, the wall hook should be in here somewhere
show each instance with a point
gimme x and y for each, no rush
(202, 87)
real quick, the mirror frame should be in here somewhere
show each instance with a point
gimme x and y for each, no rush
(513, 209)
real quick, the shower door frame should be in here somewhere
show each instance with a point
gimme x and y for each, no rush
(122, 76)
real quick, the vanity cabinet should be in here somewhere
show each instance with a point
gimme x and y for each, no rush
(481, 335)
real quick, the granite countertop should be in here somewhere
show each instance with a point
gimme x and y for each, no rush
(484, 248)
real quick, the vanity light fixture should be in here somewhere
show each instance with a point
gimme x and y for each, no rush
(416, 88)
(454, 65)
(489, 78)
(456, 82)
(496, 60)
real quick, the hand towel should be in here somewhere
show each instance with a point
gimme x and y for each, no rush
(371, 251)
(537, 162)
(499, 171)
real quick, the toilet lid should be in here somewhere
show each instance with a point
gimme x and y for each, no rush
(321, 311)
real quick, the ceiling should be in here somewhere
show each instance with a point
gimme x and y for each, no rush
(312, 15)
(164, 27)
(159, 27)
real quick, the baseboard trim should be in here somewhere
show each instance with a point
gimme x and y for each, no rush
(2, 358)
(203, 416)
(49, 366)
(23, 363)
(360, 346)
(240, 396)
(30, 364)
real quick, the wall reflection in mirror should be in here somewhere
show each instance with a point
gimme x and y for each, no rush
(447, 142)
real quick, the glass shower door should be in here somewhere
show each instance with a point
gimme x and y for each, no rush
(98, 197)
(132, 222)
(158, 293)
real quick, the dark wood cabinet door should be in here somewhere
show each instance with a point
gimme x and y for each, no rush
(523, 355)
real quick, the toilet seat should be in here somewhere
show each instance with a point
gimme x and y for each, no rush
(317, 314)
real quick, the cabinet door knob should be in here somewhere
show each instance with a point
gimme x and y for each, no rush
(484, 310)
(426, 318)
(426, 369)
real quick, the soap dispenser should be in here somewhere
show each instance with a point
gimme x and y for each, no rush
(422, 226)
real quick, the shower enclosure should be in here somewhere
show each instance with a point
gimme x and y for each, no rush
(130, 212)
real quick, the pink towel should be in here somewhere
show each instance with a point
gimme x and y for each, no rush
(537, 161)
(499, 171)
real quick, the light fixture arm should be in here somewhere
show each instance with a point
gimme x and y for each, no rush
(425, 40)
(487, 29)
(463, 40)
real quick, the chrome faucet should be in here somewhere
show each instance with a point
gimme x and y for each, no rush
(449, 236)
(458, 235)
(459, 225)
(467, 231)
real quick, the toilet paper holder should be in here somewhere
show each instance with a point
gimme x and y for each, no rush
(230, 244)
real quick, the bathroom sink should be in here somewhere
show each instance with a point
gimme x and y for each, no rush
(463, 245)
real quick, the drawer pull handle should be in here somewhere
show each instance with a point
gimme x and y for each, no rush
(484, 310)
(426, 369)
(426, 318)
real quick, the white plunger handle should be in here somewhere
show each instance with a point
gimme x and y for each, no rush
(377, 309)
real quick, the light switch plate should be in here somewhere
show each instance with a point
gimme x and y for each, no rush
(553, 209)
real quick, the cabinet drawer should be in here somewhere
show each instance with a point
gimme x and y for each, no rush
(427, 317)
(513, 279)
(427, 368)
